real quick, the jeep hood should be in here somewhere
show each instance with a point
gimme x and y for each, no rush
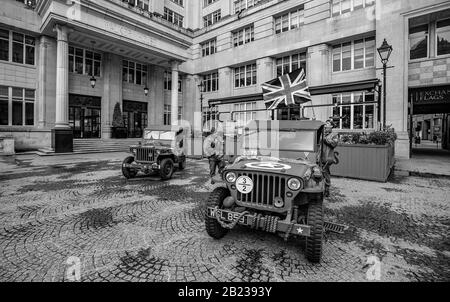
(271, 165)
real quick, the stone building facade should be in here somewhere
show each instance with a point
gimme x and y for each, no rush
(51, 49)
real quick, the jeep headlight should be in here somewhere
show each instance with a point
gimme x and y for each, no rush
(230, 177)
(133, 151)
(294, 184)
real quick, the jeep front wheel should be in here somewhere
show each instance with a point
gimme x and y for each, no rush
(315, 221)
(166, 168)
(126, 171)
(182, 164)
(213, 228)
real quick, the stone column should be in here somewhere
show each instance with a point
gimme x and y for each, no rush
(174, 95)
(112, 90)
(62, 77)
(42, 99)
(318, 73)
(62, 135)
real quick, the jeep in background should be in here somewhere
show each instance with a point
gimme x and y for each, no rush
(161, 150)
(281, 194)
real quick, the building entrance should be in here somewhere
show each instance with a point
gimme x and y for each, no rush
(85, 116)
(135, 116)
(429, 120)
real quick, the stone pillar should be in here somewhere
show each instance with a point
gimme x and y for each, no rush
(156, 85)
(112, 90)
(62, 135)
(225, 81)
(174, 94)
(318, 72)
(265, 70)
(43, 71)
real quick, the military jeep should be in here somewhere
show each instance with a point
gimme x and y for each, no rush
(161, 149)
(278, 188)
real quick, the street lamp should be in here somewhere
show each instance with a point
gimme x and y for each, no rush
(93, 81)
(201, 86)
(146, 90)
(384, 51)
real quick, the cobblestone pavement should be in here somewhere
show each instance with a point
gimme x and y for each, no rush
(148, 230)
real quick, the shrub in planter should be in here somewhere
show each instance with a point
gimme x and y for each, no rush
(118, 127)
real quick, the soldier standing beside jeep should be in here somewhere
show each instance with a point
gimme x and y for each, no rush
(213, 147)
(329, 156)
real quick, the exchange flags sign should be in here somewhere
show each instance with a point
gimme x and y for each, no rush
(289, 89)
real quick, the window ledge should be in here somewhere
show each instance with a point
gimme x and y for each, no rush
(429, 59)
(19, 64)
(353, 70)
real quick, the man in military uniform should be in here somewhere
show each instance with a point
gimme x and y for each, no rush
(213, 148)
(329, 156)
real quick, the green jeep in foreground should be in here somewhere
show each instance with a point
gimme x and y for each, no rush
(278, 188)
(161, 149)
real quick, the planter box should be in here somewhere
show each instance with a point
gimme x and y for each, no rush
(6, 145)
(369, 162)
(119, 132)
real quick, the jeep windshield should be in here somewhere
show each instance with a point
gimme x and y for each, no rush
(291, 144)
(159, 135)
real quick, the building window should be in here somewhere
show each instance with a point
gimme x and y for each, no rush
(4, 45)
(208, 2)
(22, 106)
(290, 63)
(356, 115)
(243, 118)
(21, 47)
(443, 37)
(142, 4)
(84, 61)
(245, 76)
(339, 7)
(244, 36)
(173, 17)
(134, 73)
(357, 54)
(168, 114)
(418, 41)
(211, 82)
(212, 18)
(209, 47)
(290, 20)
(4, 101)
(168, 81)
(179, 2)
(240, 5)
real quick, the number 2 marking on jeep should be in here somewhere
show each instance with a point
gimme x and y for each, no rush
(244, 184)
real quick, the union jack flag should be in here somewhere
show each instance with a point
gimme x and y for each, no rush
(290, 88)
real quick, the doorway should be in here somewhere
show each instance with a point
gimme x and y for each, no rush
(429, 127)
(85, 116)
(135, 116)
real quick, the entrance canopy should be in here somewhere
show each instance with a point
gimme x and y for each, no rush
(430, 99)
(365, 85)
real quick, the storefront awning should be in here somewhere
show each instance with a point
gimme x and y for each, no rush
(365, 85)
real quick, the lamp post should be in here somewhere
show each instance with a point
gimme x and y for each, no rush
(384, 51)
(146, 90)
(201, 86)
(93, 80)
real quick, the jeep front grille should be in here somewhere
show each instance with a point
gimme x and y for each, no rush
(266, 188)
(145, 154)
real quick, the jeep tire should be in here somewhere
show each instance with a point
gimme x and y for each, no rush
(315, 221)
(166, 168)
(216, 198)
(182, 164)
(128, 172)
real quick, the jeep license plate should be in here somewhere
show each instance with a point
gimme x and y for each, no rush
(228, 215)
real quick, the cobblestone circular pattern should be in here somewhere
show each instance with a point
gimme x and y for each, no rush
(148, 230)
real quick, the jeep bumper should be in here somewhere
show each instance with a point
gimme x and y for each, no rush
(249, 220)
(137, 166)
